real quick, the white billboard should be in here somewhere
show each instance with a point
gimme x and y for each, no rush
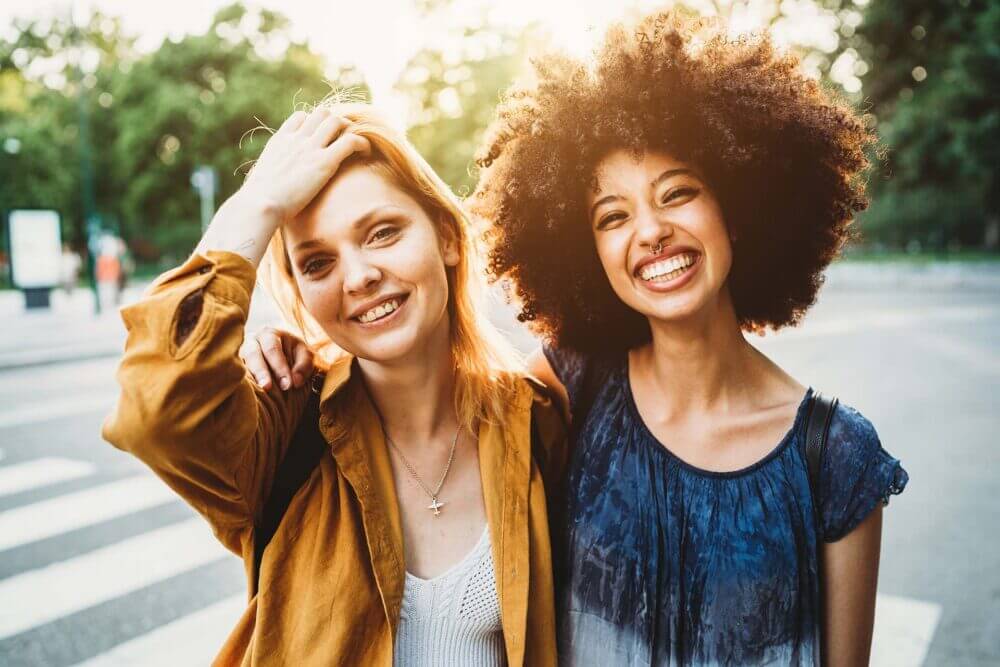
(35, 248)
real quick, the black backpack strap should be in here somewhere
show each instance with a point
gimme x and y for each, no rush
(817, 429)
(594, 378)
(548, 425)
(304, 452)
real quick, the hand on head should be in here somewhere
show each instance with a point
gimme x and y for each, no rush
(300, 158)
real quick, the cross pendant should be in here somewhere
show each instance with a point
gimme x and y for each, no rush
(436, 505)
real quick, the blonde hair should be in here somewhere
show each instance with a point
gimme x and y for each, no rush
(486, 364)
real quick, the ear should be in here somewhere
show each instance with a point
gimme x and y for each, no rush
(450, 250)
(450, 253)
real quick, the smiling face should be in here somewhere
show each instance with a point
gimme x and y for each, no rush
(660, 235)
(371, 267)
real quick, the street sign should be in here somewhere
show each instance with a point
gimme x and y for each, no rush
(35, 253)
(35, 248)
(205, 181)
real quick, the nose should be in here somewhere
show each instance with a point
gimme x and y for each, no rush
(359, 274)
(652, 230)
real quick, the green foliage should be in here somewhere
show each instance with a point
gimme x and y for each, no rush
(455, 86)
(150, 118)
(933, 88)
(454, 94)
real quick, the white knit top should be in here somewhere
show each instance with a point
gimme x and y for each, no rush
(454, 618)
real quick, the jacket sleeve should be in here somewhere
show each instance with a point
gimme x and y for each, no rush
(188, 408)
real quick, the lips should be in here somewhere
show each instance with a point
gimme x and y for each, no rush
(377, 309)
(667, 268)
(674, 258)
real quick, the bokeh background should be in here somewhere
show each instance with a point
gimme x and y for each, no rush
(134, 120)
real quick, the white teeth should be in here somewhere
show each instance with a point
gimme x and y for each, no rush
(379, 311)
(668, 268)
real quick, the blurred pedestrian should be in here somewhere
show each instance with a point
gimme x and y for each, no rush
(4, 266)
(652, 207)
(108, 270)
(127, 267)
(69, 268)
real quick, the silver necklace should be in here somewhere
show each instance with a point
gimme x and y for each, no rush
(436, 504)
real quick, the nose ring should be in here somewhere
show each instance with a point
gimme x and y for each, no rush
(658, 248)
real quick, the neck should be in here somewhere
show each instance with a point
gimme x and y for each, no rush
(701, 363)
(415, 396)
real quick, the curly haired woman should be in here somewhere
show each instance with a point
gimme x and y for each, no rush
(651, 208)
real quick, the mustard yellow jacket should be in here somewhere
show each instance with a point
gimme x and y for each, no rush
(332, 578)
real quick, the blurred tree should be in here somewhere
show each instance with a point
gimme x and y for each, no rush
(196, 102)
(47, 73)
(151, 117)
(453, 85)
(934, 90)
(453, 93)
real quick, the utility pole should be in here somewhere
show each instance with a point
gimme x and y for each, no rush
(205, 181)
(92, 223)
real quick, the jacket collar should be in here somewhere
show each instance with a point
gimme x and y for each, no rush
(363, 460)
(505, 467)
(336, 377)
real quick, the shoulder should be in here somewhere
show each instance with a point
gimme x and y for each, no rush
(548, 427)
(857, 473)
(581, 375)
(852, 435)
(546, 401)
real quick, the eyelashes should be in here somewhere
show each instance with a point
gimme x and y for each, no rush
(610, 219)
(314, 266)
(678, 193)
(383, 233)
(379, 237)
(685, 193)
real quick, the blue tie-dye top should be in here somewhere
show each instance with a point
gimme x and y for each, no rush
(662, 563)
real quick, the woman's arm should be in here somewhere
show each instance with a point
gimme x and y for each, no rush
(277, 357)
(297, 161)
(850, 578)
(187, 407)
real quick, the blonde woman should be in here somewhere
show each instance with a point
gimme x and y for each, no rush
(421, 535)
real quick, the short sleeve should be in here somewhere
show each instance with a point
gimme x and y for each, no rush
(571, 369)
(856, 474)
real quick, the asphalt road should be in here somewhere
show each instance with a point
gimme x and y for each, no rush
(99, 563)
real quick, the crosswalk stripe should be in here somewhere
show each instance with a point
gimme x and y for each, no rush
(57, 409)
(192, 640)
(43, 595)
(82, 508)
(41, 472)
(904, 628)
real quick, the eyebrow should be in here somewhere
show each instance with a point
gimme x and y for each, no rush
(360, 222)
(668, 174)
(602, 201)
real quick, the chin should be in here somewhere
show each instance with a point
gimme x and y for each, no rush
(386, 351)
(675, 308)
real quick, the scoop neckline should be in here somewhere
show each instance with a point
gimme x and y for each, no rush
(655, 443)
(463, 562)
